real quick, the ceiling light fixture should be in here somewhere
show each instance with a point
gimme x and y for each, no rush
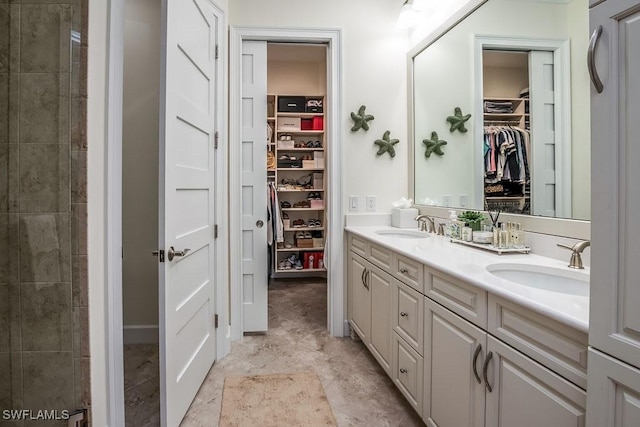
(408, 16)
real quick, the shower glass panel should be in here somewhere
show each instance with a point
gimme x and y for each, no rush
(44, 346)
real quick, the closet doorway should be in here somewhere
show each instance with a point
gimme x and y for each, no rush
(285, 95)
(522, 88)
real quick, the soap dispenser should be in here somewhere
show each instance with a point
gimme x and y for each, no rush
(453, 226)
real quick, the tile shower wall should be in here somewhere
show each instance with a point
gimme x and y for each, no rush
(44, 347)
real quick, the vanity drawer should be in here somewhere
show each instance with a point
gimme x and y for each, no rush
(553, 344)
(408, 315)
(359, 245)
(380, 256)
(462, 298)
(408, 372)
(409, 271)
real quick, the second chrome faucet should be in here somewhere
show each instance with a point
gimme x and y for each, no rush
(426, 223)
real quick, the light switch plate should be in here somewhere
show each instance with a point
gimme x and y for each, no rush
(354, 204)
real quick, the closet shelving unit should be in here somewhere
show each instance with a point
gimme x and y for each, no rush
(312, 171)
(519, 117)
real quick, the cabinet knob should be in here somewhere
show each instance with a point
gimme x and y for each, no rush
(404, 271)
(403, 371)
(403, 314)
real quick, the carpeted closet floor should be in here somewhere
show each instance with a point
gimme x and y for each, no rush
(359, 392)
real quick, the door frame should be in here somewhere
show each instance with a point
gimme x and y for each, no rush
(104, 216)
(335, 277)
(562, 98)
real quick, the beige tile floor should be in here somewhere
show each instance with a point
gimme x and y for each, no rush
(359, 392)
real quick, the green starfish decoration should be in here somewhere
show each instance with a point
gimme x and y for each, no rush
(361, 119)
(457, 121)
(434, 145)
(386, 145)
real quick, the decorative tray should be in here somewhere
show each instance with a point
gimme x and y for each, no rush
(491, 248)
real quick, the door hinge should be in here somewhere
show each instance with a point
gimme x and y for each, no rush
(215, 321)
(217, 53)
(215, 231)
(216, 139)
(159, 254)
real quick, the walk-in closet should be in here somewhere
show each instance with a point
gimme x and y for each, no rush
(296, 160)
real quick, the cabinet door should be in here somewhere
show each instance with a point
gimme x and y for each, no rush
(615, 229)
(380, 285)
(617, 400)
(453, 397)
(359, 304)
(526, 394)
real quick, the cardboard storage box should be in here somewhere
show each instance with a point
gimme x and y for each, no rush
(291, 104)
(306, 124)
(304, 243)
(318, 159)
(318, 181)
(289, 124)
(308, 164)
(314, 105)
(286, 145)
(318, 242)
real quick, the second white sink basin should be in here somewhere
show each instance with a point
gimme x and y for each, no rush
(572, 282)
(403, 234)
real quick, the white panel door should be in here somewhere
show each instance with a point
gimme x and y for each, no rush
(254, 186)
(614, 324)
(453, 353)
(380, 287)
(526, 394)
(543, 134)
(614, 392)
(187, 202)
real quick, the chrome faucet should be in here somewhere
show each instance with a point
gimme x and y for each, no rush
(426, 223)
(576, 251)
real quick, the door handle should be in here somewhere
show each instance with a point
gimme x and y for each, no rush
(591, 59)
(364, 270)
(366, 279)
(171, 253)
(475, 360)
(484, 371)
(403, 314)
(259, 223)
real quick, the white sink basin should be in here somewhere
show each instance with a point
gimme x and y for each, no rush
(572, 282)
(403, 234)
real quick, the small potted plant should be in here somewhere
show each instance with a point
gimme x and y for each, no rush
(472, 218)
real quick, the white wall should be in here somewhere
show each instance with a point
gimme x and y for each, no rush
(140, 162)
(374, 74)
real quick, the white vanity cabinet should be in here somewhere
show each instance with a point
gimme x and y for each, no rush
(614, 335)
(462, 356)
(471, 378)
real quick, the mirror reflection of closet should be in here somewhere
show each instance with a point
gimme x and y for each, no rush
(519, 138)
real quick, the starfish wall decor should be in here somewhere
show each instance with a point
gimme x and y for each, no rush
(360, 119)
(434, 145)
(386, 145)
(457, 120)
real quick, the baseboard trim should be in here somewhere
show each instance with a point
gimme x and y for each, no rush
(141, 334)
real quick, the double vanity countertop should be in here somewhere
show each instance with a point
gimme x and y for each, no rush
(472, 265)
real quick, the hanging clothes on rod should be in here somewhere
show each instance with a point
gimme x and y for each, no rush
(275, 226)
(506, 154)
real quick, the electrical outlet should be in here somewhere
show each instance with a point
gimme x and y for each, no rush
(371, 203)
(464, 200)
(354, 204)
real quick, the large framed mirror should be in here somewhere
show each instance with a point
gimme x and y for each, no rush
(519, 68)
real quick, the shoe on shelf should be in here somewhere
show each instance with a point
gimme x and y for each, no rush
(280, 245)
(307, 235)
(317, 144)
(285, 204)
(298, 264)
